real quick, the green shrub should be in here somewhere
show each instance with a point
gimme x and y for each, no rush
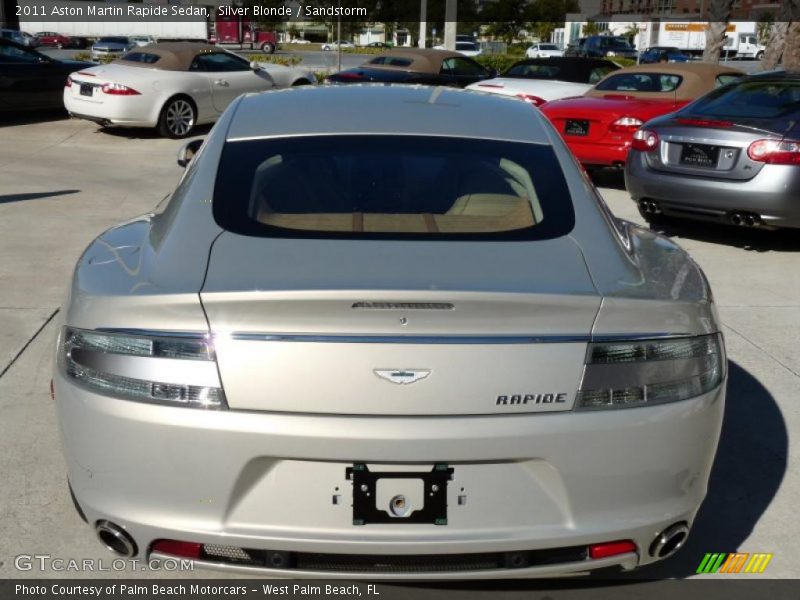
(275, 59)
(499, 62)
(87, 56)
(623, 62)
(289, 47)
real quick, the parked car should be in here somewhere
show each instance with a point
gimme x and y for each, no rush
(336, 45)
(732, 156)
(77, 41)
(543, 51)
(575, 48)
(113, 47)
(422, 337)
(51, 38)
(143, 40)
(606, 46)
(31, 41)
(599, 126)
(465, 48)
(378, 45)
(540, 80)
(663, 54)
(30, 80)
(416, 65)
(299, 41)
(171, 86)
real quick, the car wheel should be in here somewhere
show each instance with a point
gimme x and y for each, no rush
(760, 55)
(59, 45)
(177, 118)
(267, 48)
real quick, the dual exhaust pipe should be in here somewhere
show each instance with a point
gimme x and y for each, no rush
(649, 207)
(745, 219)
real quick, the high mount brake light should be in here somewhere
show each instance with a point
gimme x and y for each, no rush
(173, 369)
(648, 372)
(703, 122)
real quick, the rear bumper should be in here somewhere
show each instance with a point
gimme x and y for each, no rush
(599, 152)
(123, 111)
(266, 481)
(773, 194)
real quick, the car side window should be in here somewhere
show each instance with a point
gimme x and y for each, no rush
(598, 73)
(219, 63)
(726, 79)
(10, 54)
(465, 66)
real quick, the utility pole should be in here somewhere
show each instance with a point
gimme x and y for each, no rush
(450, 17)
(339, 41)
(423, 22)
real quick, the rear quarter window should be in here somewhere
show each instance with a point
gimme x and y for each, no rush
(391, 187)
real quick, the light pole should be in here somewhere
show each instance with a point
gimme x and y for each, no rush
(423, 22)
(450, 16)
(339, 39)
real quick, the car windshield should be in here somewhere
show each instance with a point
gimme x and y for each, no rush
(113, 40)
(548, 47)
(392, 187)
(619, 43)
(751, 99)
(640, 82)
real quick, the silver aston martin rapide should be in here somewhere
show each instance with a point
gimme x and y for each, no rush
(388, 332)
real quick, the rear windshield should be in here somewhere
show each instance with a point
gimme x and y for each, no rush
(580, 72)
(640, 82)
(394, 61)
(392, 187)
(752, 99)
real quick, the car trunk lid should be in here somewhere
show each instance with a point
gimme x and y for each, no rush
(399, 328)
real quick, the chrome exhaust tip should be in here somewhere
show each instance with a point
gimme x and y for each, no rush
(736, 219)
(750, 220)
(669, 541)
(115, 538)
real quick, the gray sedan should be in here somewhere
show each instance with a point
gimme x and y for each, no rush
(351, 346)
(111, 47)
(732, 156)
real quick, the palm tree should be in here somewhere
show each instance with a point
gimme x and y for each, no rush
(780, 36)
(719, 15)
(591, 28)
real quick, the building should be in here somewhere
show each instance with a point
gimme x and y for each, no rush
(695, 9)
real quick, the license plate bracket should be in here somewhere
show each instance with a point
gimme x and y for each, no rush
(578, 127)
(700, 155)
(87, 89)
(365, 512)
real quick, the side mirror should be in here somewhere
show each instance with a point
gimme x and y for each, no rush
(255, 66)
(187, 152)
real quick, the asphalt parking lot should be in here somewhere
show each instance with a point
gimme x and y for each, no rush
(63, 181)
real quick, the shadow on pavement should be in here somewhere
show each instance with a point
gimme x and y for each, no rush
(6, 198)
(146, 133)
(754, 240)
(28, 118)
(608, 178)
(749, 468)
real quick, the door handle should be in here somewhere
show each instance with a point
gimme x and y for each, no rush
(221, 83)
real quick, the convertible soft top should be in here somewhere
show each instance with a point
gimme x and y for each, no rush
(168, 56)
(418, 60)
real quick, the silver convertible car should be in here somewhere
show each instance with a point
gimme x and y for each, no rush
(358, 346)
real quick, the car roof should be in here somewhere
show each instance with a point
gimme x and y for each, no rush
(363, 109)
(423, 60)
(174, 56)
(698, 78)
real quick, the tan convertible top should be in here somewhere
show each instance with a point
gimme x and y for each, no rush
(423, 60)
(173, 56)
(698, 79)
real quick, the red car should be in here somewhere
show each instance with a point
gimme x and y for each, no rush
(599, 126)
(51, 38)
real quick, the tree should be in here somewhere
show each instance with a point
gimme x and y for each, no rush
(788, 13)
(591, 28)
(719, 15)
(791, 55)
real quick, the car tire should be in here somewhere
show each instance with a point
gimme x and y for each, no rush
(760, 55)
(60, 46)
(178, 118)
(268, 48)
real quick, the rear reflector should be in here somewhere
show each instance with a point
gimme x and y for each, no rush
(607, 549)
(774, 152)
(176, 548)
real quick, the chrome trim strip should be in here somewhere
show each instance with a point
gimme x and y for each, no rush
(194, 335)
(449, 339)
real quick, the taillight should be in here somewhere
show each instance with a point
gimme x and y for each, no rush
(625, 125)
(645, 140)
(117, 89)
(176, 548)
(68, 84)
(649, 372)
(775, 152)
(530, 99)
(611, 549)
(164, 369)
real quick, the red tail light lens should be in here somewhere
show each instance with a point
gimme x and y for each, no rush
(625, 125)
(530, 99)
(775, 152)
(645, 140)
(703, 122)
(117, 89)
(611, 549)
(68, 83)
(176, 548)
